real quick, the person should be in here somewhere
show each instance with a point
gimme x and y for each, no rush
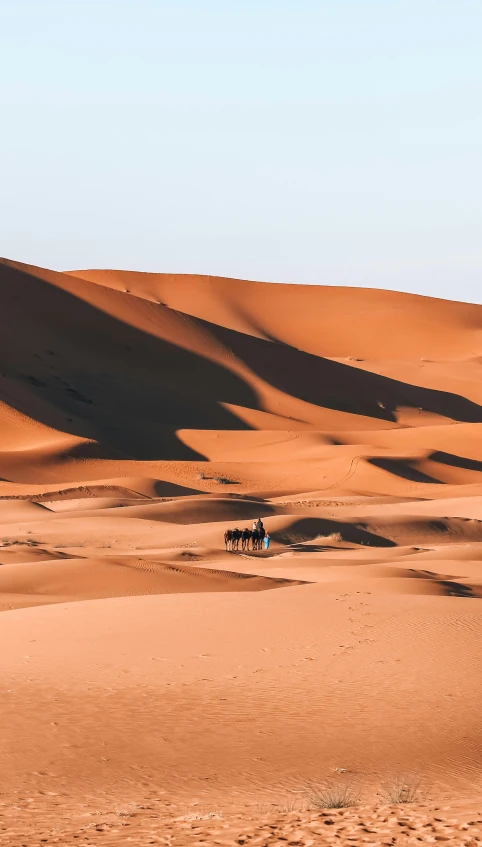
(266, 540)
(259, 525)
(255, 526)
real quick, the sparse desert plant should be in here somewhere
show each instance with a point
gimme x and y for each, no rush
(401, 789)
(333, 536)
(332, 795)
(128, 810)
(290, 804)
(12, 542)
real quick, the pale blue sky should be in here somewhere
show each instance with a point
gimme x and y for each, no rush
(315, 141)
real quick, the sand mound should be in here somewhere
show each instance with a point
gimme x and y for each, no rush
(84, 579)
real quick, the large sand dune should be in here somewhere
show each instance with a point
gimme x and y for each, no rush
(143, 414)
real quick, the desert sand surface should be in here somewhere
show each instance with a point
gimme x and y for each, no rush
(157, 689)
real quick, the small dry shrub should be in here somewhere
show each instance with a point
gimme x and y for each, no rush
(128, 810)
(290, 804)
(332, 795)
(333, 536)
(401, 789)
(11, 542)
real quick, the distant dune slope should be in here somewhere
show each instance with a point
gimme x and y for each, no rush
(323, 320)
(111, 365)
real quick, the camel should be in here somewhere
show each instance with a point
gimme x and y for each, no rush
(237, 535)
(257, 536)
(228, 540)
(245, 539)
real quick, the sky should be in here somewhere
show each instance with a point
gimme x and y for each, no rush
(333, 142)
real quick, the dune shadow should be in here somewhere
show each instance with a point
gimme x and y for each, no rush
(311, 529)
(458, 589)
(79, 370)
(172, 490)
(334, 385)
(317, 548)
(403, 469)
(456, 461)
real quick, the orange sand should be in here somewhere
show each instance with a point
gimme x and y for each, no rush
(143, 667)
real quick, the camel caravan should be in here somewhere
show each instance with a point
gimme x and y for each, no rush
(257, 536)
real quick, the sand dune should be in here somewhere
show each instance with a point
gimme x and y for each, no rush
(63, 581)
(143, 414)
(328, 321)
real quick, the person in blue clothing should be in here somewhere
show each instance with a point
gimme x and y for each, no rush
(266, 540)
